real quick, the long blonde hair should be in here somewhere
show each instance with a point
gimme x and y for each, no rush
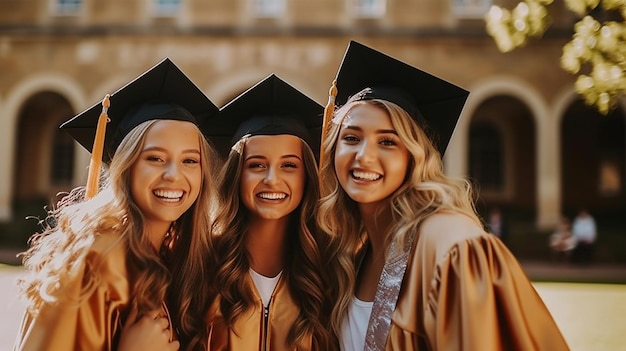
(71, 227)
(304, 270)
(426, 190)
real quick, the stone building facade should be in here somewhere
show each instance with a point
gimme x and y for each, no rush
(525, 138)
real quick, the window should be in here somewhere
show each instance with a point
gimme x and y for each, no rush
(166, 7)
(610, 182)
(62, 159)
(486, 161)
(369, 8)
(268, 8)
(67, 7)
(471, 8)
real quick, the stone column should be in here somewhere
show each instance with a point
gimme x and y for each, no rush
(548, 172)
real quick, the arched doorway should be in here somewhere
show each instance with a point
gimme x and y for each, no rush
(593, 164)
(44, 155)
(502, 156)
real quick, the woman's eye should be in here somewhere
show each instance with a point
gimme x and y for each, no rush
(388, 142)
(290, 165)
(256, 165)
(153, 158)
(191, 161)
(350, 138)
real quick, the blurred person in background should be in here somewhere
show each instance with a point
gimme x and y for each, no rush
(498, 225)
(562, 242)
(585, 233)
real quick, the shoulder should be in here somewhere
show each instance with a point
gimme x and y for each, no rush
(107, 254)
(450, 227)
(105, 244)
(440, 232)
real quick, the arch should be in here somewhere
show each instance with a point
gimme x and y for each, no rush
(562, 102)
(108, 86)
(567, 96)
(456, 163)
(546, 150)
(27, 87)
(83, 156)
(504, 135)
(224, 88)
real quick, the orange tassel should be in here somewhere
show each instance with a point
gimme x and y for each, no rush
(329, 110)
(93, 178)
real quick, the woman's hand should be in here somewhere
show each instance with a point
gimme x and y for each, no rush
(150, 332)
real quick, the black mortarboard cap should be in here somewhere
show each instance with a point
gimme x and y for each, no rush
(432, 102)
(162, 92)
(270, 107)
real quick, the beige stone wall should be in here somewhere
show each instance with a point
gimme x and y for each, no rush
(225, 49)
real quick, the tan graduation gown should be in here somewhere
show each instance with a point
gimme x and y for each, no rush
(464, 290)
(88, 323)
(251, 332)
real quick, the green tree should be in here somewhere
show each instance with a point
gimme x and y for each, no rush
(596, 53)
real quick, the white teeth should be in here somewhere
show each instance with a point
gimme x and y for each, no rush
(272, 196)
(169, 194)
(366, 175)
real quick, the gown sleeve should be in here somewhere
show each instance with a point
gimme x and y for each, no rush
(79, 321)
(481, 299)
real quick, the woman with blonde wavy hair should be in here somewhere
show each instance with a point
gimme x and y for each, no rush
(418, 270)
(270, 274)
(122, 269)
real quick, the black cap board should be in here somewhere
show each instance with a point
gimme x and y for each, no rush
(270, 107)
(432, 102)
(162, 92)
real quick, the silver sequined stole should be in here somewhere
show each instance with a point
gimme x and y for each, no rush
(386, 296)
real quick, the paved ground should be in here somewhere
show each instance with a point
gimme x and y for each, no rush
(592, 317)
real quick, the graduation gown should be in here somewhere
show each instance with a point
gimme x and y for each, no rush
(78, 321)
(464, 290)
(253, 330)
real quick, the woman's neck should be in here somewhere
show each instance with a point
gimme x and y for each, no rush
(266, 243)
(156, 232)
(377, 222)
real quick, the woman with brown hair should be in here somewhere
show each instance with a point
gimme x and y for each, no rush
(270, 273)
(108, 263)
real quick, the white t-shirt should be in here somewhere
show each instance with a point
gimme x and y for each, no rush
(354, 325)
(584, 229)
(265, 285)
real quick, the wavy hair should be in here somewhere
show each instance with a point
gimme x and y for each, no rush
(70, 229)
(426, 190)
(304, 270)
(189, 295)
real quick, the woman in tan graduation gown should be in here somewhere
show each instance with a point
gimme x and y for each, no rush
(420, 271)
(99, 274)
(272, 293)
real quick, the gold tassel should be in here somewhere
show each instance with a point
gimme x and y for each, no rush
(329, 110)
(93, 178)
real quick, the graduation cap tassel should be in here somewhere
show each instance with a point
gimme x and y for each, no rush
(328, 116)
(96, 154)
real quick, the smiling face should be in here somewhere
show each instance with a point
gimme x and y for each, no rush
(273, 175)
(167, 177)
(371, 161)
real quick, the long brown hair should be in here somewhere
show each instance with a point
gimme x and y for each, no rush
(304, 270)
